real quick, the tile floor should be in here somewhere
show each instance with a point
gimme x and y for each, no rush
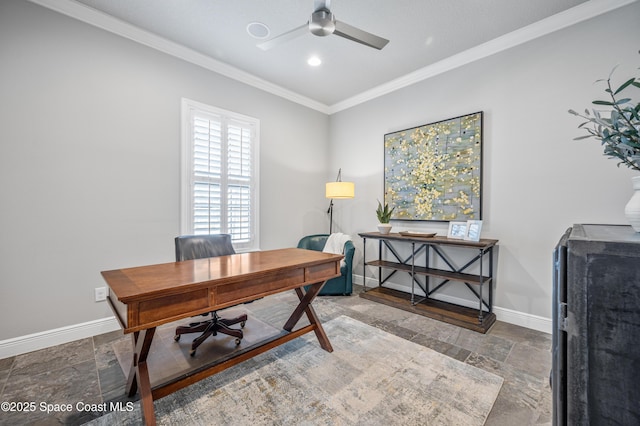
(87, 370)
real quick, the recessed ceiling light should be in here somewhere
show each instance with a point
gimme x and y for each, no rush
(314, 61)
(258, 30)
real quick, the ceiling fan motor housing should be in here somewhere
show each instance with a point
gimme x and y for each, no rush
(322, 23)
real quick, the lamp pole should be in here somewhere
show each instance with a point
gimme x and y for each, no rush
(330, 211)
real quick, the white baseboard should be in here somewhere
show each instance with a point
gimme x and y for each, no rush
(533, 322)
(522, 319)
(45, 339)
(32, 342)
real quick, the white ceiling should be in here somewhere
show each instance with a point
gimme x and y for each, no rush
(425, 37)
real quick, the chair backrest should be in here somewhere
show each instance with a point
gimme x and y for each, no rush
(316, 242)
(200, 246)
(313, 242)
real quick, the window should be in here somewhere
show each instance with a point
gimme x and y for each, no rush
(220, 174)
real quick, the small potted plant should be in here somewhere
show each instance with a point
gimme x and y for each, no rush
(384, 216)
(619, 134)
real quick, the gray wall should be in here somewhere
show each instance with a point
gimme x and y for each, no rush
(537, 180)
(90, 157)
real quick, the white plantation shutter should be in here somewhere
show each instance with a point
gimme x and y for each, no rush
(207, 172)
(239, 175)
(220, 174)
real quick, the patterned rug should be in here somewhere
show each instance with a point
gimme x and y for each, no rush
(371, 378)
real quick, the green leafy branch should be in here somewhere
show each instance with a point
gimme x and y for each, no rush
(620, 132)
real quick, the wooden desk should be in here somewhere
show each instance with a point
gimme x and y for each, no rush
(145, 297)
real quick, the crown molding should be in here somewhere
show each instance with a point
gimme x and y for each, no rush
(106, 22)
(567, 18)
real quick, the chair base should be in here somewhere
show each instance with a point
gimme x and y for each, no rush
(212, 327)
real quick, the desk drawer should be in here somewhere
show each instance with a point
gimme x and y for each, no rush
(249, 290)
(171, 306)
(322, 272)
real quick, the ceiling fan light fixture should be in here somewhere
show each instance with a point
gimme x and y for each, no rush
(314, 61)
(258, 30)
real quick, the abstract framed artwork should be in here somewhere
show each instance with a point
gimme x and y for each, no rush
(433, 172)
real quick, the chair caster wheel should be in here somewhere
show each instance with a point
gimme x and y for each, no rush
(176, 337)
(238, 341)
(242, 324)
(192, 353)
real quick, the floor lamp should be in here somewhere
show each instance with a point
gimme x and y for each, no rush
(338, 190)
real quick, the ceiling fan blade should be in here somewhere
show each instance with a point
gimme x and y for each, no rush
(360, 36)
(284, 37)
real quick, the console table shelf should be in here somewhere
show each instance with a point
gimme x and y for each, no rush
(437, 273)
(480, 319)
(436, 309)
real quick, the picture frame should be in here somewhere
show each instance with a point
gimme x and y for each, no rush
(474, 227)
(433, 172)
(457, 230)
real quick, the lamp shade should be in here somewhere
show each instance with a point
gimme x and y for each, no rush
(340, 190)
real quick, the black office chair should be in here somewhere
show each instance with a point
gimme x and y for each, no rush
(197, 247)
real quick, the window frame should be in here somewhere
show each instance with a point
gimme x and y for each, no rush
(189, 108)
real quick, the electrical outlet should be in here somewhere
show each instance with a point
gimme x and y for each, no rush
(100, 293)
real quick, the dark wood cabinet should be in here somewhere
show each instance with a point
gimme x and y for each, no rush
(596, 326)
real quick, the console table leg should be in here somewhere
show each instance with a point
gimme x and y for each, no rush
(480, 317)
(364, 264)
(379, 259)
(491, 281)
(413, 272)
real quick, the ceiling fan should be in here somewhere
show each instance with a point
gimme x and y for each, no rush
(323, 23)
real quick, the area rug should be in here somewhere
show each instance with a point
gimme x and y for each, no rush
(371, 378)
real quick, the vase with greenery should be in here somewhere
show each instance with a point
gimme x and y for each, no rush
(384, 216)
(619, 133)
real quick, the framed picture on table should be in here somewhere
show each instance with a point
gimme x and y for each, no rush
(457, 230)
(473, 230)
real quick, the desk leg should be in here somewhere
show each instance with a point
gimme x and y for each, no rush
(139, 374)
(305, 307)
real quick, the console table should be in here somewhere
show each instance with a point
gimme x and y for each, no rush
(434, 279)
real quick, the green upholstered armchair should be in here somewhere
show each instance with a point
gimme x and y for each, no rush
(342, 285)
